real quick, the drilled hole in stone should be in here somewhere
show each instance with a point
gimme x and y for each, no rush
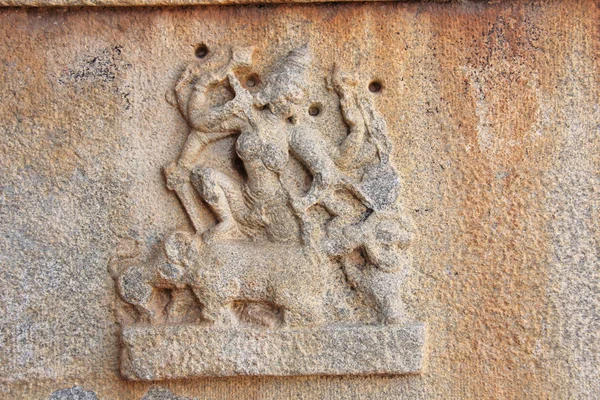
(314, 110)
(201, 50)
(375, 86)
(252, 80)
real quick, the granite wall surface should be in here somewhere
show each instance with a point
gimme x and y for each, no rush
(493, 109)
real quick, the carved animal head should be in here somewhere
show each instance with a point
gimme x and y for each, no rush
(127, 251)
(179, 251)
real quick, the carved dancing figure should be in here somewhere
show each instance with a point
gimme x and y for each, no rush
(264, 145)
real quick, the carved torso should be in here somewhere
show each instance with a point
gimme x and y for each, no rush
(265, 145)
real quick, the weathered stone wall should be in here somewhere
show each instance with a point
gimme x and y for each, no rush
(493, 111)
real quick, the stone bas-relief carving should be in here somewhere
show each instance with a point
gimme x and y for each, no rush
(304, 231)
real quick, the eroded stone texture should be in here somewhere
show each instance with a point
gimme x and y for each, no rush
(159, 393)
(493, 117)
(74, 393)
(110, 3)
(187, 351)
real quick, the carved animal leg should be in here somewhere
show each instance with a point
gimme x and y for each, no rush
(219, 314)
(382, 288)
(178, 305)
(304, 310)
(146, 314)
(309, 316)
(385, 289)
(221, 193)
(215, 309)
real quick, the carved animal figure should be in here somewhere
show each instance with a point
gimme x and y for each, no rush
(274, 245)
(138, 281)
(375, 261)
(286, 276)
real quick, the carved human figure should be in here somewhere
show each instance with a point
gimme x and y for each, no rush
(381, 233)
(265, 141)
(271, 126)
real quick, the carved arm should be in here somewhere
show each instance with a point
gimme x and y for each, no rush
(307, 149)
(348, 151)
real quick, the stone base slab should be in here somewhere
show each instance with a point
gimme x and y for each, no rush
(171, 352)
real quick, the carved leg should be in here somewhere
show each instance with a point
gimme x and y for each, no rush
(309, 315)
(220, 314)
(303, 309)
(382, 288)
(178, 305)
(215, 309)
(385, 287)
(222, 194)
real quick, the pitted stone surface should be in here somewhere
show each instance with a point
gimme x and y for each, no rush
(111, 3)
(74, 393)
(187, 351)
(160, 393)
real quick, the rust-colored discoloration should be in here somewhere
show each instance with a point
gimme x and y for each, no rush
(477, 99)
(499, 72)
(495, 289)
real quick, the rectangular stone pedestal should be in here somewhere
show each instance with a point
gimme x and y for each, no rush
(170, 352)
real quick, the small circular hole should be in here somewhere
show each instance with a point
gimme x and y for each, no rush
(201, 50)
(252, 80)
(291, 120)
(314, 110)
(375, 86)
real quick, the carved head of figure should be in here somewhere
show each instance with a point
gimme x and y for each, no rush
(286, 87)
